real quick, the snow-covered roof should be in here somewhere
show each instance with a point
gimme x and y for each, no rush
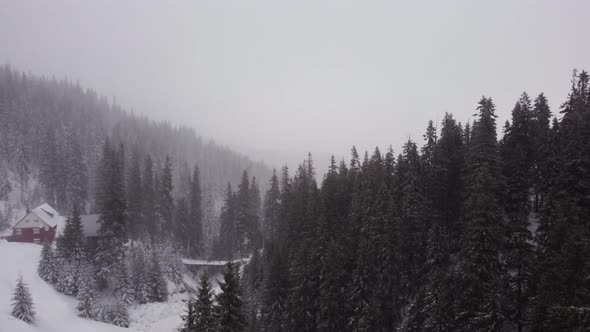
(46, 214)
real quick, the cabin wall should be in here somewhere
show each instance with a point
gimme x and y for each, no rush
(32, 235)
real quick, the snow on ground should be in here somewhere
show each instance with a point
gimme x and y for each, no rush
(158, 317)
(57, 312)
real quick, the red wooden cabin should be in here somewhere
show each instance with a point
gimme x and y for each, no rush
(37, 226)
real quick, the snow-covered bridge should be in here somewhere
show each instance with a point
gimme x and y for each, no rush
(204, 262)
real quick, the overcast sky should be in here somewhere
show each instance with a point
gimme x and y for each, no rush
(278, 78)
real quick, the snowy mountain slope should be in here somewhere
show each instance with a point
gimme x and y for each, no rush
(57, 312)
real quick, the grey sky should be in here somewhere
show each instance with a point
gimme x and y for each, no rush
(278, 78)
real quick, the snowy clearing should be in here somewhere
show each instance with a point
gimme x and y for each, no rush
(57, 312)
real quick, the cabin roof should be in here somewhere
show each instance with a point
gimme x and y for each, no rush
(47, 214)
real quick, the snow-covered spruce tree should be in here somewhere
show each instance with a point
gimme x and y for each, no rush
(195, 244)
(71, 246)
(46, 268)
(226, 246)
(204, 316)
(165, 202)
(181, 222)
(139, 276)
(251, 281)
(77, 171)
(112, 206)
(22, 302)
(66, 278)
(189, 318)
(120, 315)
(135, 197)
(123, 288)
(276, 287)
(301, 239)
(482, 302)
(87, 293)
(170, 261)
(105, 313)
(72, 253)
(157, 284)
(229, 310)
(272, 209)
(518, 151)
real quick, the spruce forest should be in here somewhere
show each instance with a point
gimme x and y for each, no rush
(294, 166)
(461, 231)
(467, 232)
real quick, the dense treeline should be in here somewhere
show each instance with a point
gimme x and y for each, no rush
(154, 188)
(240, 221)
(143, 233)
(467, 233)
(52, 134)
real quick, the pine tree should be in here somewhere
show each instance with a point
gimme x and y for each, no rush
(518, 152)
(46, 268)
(482, 300)
(50, 167)
(23, 162)
(370, 285)
(87, 294)
(149, 199)
(301, 239)
(204, 315)
(67, 277)
(275, 291)
(272, 209)
(541, 133)
(72, 245)
(135, 198)
(122, 286)
(331, 248)
(227, 245)
(22, 302)
(255, 233)
(165, 203)
(413, 218)
(189, 318)
(229, 311)
(251, 282)
(77, 173)
(119, 315)
(112, 206)
(244, 217)
(182, 223)
(5, 185)
(195, 225)
(157, 283)
(139, 276)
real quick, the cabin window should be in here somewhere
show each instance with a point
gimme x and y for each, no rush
(36, 241)
(36, 230)
(19, 231)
